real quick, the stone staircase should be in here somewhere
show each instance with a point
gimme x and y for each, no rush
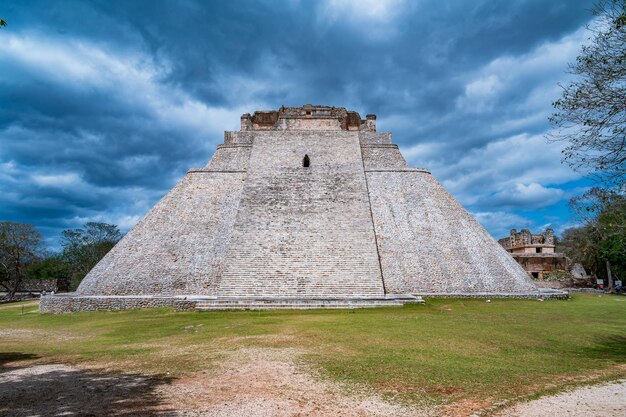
(303, 233)
(221, 303)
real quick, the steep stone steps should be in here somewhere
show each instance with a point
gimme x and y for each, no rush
(299, 304)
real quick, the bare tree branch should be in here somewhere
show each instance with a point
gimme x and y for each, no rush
(591, 114)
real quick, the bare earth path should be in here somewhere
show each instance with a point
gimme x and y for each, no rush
(248, 382)
(606, 400)
(61, 390)
(271, 382)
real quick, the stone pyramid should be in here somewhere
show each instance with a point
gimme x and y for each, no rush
(303, 207)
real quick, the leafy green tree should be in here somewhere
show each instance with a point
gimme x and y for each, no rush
(581, 244)
(50, 267)
(591, 114)
(83, 248)
(19, 248)
(603, 213)
(2, 23)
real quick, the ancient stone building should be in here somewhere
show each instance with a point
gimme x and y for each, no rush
(303, 207)
(534, 252)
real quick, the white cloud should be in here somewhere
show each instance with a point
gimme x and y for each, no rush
(479, 94)
(123, 221)
(272, 74)
(533, 195)
(132, 78)
(516, 171)
(499, 223)
(373, 18)
(364, 10)
(519, 167)
(59, 180)
(542, 68)
(418, 154)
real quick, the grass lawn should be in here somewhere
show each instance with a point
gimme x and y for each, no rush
(443, 352)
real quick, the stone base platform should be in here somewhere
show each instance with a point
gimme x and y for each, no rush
(71, 302)
(303, 304)
(541, 294)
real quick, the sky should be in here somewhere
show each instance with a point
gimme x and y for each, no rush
(105, 105)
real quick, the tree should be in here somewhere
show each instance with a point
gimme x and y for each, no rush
(51, 266)
(604, 214)
(83, 248)
(19, 245)
(2, 23)
(581, 244)
(591, 114)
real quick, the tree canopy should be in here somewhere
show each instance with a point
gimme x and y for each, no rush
(591, 114)
(83, 248)
(19, 247)
(600, 243)
(21, 256)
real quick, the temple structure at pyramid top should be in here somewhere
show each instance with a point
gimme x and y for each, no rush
(304, 207)
(308, 117)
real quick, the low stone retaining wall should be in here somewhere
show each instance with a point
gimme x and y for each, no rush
(65, 303)
(586, 290)
(543, 294)
(71, 302)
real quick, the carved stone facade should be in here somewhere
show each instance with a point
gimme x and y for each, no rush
(302, 204)
(534, 252)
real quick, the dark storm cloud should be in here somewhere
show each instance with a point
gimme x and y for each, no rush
(103, 105)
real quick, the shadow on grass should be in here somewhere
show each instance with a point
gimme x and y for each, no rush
(55, 390)
(610, 347)
(6, 357)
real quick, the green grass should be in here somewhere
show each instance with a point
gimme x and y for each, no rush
(445, 351)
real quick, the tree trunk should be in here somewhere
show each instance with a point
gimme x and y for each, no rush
(609, 276)
(13, 291)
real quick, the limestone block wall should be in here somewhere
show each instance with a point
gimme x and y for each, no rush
(179, 246)
(65, 304)
(428, 243)
(321, 124)
(382, 157)
(233, 157)
(374, 138)
(379, 153)
(238, 138)
(303, 232)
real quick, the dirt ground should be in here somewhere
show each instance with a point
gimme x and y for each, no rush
(249, 382)
(606, 400)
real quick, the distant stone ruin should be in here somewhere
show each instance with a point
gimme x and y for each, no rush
(534, 252)
(304, 207)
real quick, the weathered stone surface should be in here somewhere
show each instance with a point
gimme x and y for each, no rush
(428, 243)
(304, 231)
(179, 247)
(353, 222)
(233, 157)
(64, 303)
(382, 157)
(578, 271)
